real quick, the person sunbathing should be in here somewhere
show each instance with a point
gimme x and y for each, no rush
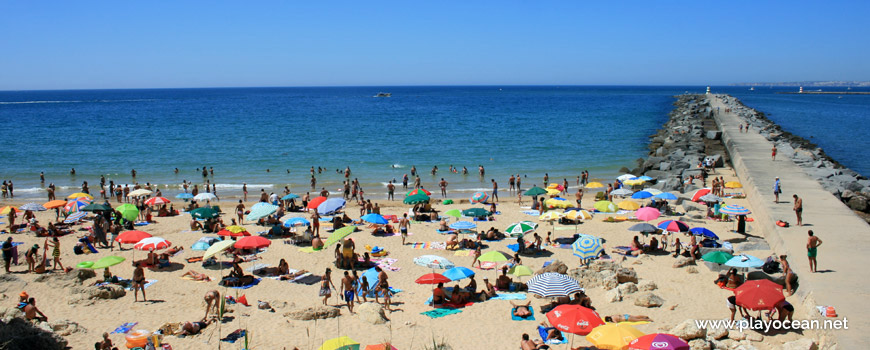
(627, 318)
(196, 276)
(282, 269)
(291, 276)
(552, 332)
(528, 344)
(443, 226)
(458, 297)
(191, 328)
(522, 310)
(195, 225)
(452, 242)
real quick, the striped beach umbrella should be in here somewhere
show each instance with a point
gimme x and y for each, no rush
(587, 246)
(75, 205)
(132, 237)
(32, 207)
(418, 191)
(157, 201)
(152, 243)
(74, 217)
(733, 209)
(606, 207)
(519, 229)
(647, 214)
(653, 191)
(551, 284)
(204, 197)
(673, 226)
(625, 177)
(80, 195)
(479, 197)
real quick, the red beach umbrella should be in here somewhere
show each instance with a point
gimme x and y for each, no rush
(152, 243)
(228, 233)
(252, 242)
(432, 278)
(419, 190)
(700, 193)
(574, 319)
(673, 226)
(759, 295)
(316, 202)
(132, 237)
(156, 201)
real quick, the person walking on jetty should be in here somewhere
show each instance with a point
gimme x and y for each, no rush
(813, 244)
(798, 209)
(773, 153)
(777, 189)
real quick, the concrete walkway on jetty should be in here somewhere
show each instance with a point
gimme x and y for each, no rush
(844, 257)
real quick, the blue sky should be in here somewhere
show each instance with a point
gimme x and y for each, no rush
(129, 44)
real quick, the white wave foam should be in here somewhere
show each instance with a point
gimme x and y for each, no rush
(239, 186)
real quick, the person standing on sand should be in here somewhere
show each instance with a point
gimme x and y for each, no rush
(773, 153)
(212, 301)
(391, 189)
(579, 197)
(443, 185)
(315, 223)
(813, 244)
(240, 212)
(7, 253)
(798, 209)
(405, 181)
(494, 190)
(347, 290)
(138, 282)
(777, 189)
(55, 253)
(404, 226)
(325, 283)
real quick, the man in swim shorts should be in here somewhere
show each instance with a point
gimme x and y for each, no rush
(813, 244)
(404, 225)
(347, 290)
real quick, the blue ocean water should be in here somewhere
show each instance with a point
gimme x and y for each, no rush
(242, 132)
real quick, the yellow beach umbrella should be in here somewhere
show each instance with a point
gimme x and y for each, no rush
(553, 186)
(5, 210)
(557, 203)
(80, 195)
(217, 248)
(613, 336)
(235, 229)
(340, 343)
(733, 184)
(553, 192)
(578, 215)
(594, 185)
(550, 216)
(634, 182)
(606, 207)
(629, 205)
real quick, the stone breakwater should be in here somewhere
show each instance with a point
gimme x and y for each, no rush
(849, 186)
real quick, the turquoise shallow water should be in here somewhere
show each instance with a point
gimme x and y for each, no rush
(242, 132)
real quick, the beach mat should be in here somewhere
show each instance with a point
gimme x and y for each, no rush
(307, 279)
(527, 318)
(124, 328)
(256, 282)
(308, 250)
(438, 313)
(509, 296)
(235, 335)
(543, 333)
(148, 283)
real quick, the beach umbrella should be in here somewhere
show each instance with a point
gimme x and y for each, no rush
(578, 215)
(32, 207)
(557, 203)
(204, 213)
(338, 235)
(658, 341)
(384, 346)
(80, 195)
(530, 223)
(184, 196)
(74, 217)
(702, 231)
(550, 216)
(458, 273)
(673, 226)
(622, 192)
(375, 219)
(289, 196)
(696, 197)
(97, 207)
(759, 294)
(261, 211)
(216, 248)
(417, 191)
(340, 343)
(519, 229)
(297, 221)
(644, 227)
(107, 261)
(574, 319)
(587, 246)
(433, 262)
(717, 257)
(625, 177)
(132, 237)
(733, 209)
(227, 233)
(200, 245)
(463, 225)
(152, 243)
(666, 196)
(647, 214)
(645, 178)
(710, 198)
(613, 336)
(57, 203)
(634, 182)
(493, 256)
(479, 197)
(330, 206)
(73, 206)
(733, 184)
(204, 197)
(139, 193)
(476, 212)
(606, 207)
(744, 261)
(594, 185)
(252, 242)
(432, 278)
(316, 202)
(416, 199)
(641, 195)
(235, 228)
(521, 270)
(535, 191)
(456, 213)
(128, 211)
(551, 284)
(628, 205)
(157, 201)
(553, 192)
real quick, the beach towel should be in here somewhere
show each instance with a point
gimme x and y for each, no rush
(440, 312)
(438, 245)
(194, 259)
(543, 333)
(624, 251)
(444, 232)
(509, 296)
(235, 335)
(531, 212)
(148, 283)
(462, 253)
(124, 328)
(254, 283)
(307, 279)
(527, 318)
(256, 267)
(487, 265)
(634, 323)
(143, 223)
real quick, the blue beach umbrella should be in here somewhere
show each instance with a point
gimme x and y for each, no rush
(641, 195)
(261, 210)
(330, 206)
(744, 261)
(587, 246)
(703, 231)
(200, 245)
(375, 219)
(184, 196)
(666, 196)
(458, 273)
(645, 178)
(735, 210)
(463, 225)
(74, 217)
(296, 222)
(289, 197)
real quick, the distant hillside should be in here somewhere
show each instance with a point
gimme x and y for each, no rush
(811, 84)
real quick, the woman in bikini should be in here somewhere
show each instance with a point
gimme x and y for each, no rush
(325, 283)
(627, 318)
(55, 252)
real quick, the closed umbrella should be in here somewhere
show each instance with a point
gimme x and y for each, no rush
(316, 201)
(458, 273)
(658, 341)
(375, 219)
(551, 284)
(463, 225)
(416, 199)
(32, 207)
(331, 206)
(476, 212)
(338, 235)
(152, 244)
(586, 246)
(759, 294)
(613, 336)
(628, 205)
(252, 242)
(606, 207)
(433, 262)
(204, 197)
(535, 191)
(132, 237)
(456, 213)
(217, 248)
(479, 197)
(647, 214)
(204, 213)
(157, 201)
(128, 211)
(733, 209)
(574, 319)
(107, 261)
(432, 278)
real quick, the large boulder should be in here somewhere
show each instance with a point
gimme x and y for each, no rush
(19, 334)
(627, 288)
(688, 330)
(372, 313)
(801, 344)
(647, 285)
(625, 275)
(76, 277)
(690, 206)
(717, 333)
(557, 267)
(858, 203)
(87, 293)
(648, 299)
(601, 265)
(64, 327)
(312, 313)
(699, 344)
(9, 313)
(613, 296)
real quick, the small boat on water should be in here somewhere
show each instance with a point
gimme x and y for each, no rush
(752, 89)
(383, 94)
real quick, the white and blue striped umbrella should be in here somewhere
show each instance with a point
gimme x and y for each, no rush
(297, 221)
(330, 206)
(553, 284)
(626, 177)
(32, 207)
(587, 246)
(622, 192)
(666, 196)
(74, 217)
(463, 225)
(735, 210)
(261, 210)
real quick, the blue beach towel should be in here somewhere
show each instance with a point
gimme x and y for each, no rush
(509, 296)
(543, 333)
(124, 328)
(437, 313)
(256, 282)
(527, 318)
(148, 283)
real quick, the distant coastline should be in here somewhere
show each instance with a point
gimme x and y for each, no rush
(810, 84)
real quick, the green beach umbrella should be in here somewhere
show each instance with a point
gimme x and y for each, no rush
(520, 271)
(493, 256)
(107, 261)
(415, 199)
(338, 235)
(217, 248)
(98, 207)
(476, 212)
(454, 213)
(717, 257)
(128, 211)
(519, 229)
(261, 211)
(606, 207)
(204, 213)
(535, 191)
